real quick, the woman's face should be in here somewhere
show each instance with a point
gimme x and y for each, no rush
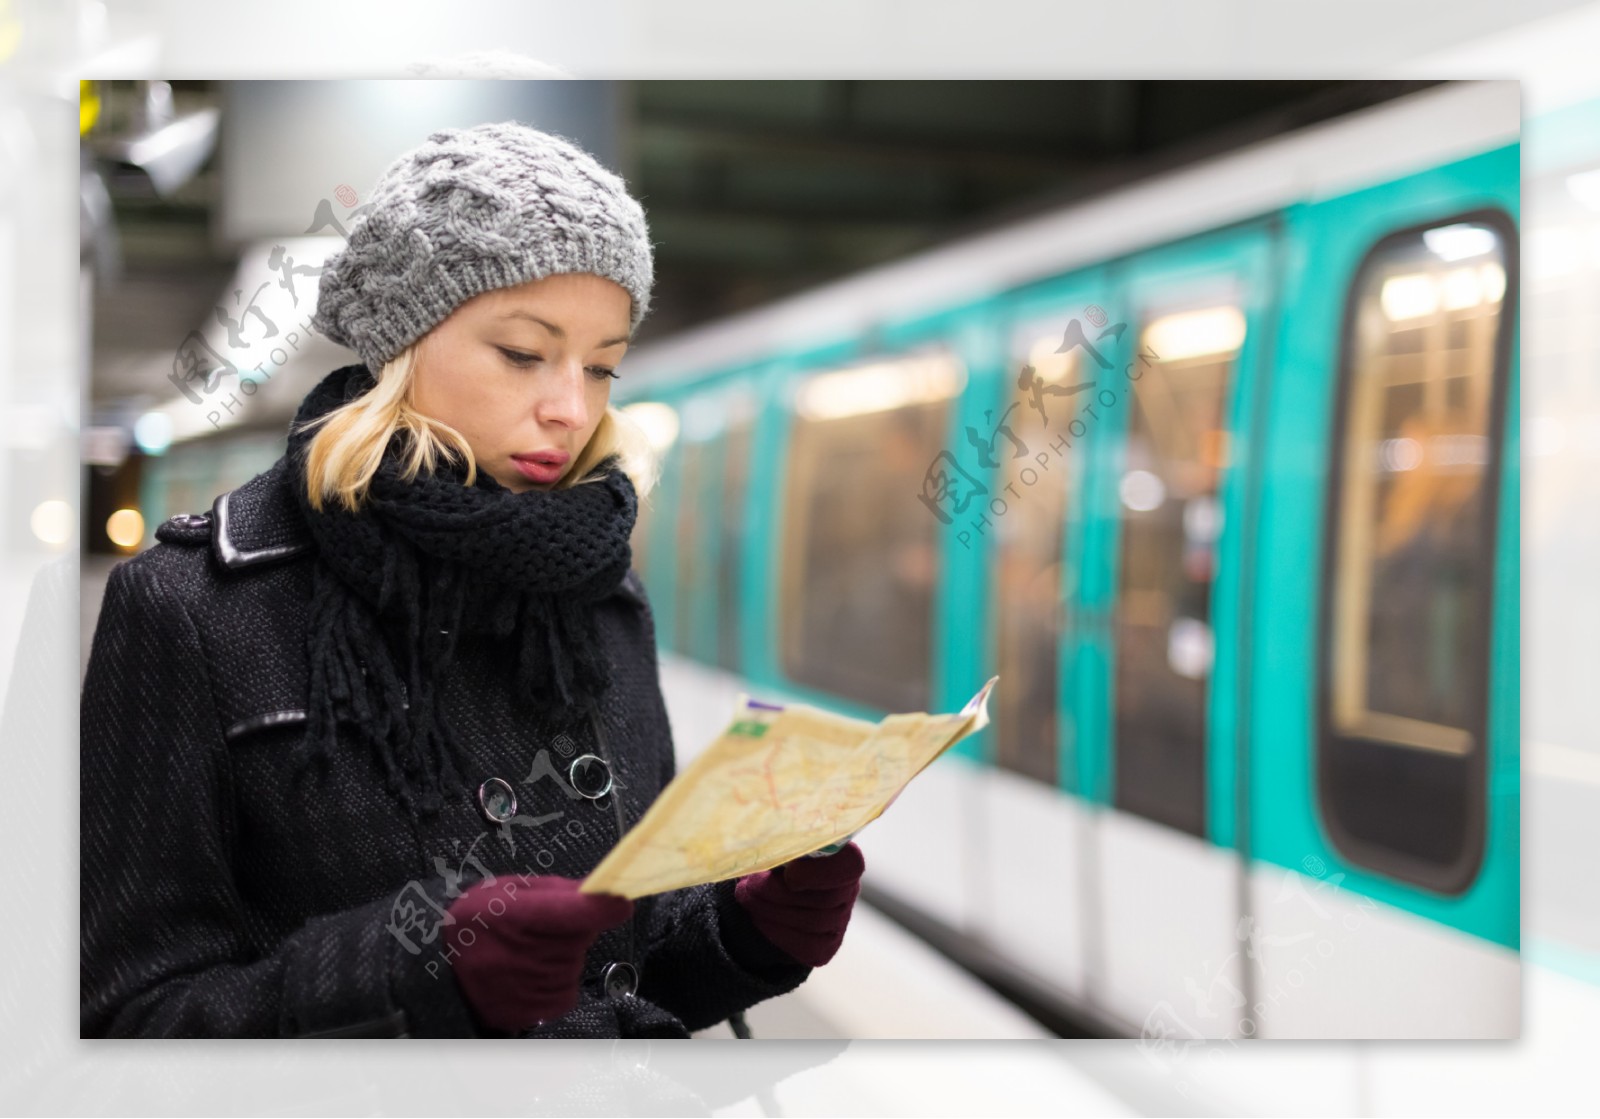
(525, 373)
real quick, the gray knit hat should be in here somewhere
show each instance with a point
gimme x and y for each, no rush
(471, 210)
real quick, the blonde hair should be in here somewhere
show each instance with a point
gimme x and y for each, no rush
(343, 457)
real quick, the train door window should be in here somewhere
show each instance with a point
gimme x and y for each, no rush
(859, 561)
(1409, 581)
(1028, 560)
(692, 478)
(735, 476)
(1171, 521)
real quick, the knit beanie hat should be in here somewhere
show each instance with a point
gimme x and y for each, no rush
(468, 211)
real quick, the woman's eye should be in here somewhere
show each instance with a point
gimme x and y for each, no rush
(516, 357)
(522, 360)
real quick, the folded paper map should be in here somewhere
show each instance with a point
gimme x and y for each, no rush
(777, 784)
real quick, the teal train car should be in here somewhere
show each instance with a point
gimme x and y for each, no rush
(1219, 473)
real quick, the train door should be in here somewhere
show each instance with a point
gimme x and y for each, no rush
(1033, 827)
(1166, 538)
(1384, 813)
(710, 474)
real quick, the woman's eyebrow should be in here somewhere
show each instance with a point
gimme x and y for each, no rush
(556, 330)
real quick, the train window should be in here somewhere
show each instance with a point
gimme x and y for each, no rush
(692, 479)
(1409, 582)
(1171, 522)
(860, 553)
(735, 475)
(1028, 608)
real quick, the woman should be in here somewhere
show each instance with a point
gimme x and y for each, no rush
(351, 740)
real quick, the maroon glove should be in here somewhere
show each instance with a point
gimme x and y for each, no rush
(804, 905)
(521, 944)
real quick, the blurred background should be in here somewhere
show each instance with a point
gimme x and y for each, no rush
(209, 206)
(1261, 763)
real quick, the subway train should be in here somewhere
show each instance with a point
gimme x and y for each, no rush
(1219, 473)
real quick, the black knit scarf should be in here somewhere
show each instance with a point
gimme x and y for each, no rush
(424, 561)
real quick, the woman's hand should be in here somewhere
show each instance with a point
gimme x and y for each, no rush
(521, 944)
(803, 906)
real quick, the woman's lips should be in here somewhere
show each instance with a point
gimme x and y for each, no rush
(542, 466)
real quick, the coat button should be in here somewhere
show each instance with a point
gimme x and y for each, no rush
(621, 979)
(590, 776)
(497, 800)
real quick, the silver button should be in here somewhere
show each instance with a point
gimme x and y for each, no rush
(590, 776)
(621, 980)
(497, 800)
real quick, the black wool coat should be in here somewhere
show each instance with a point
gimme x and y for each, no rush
(226, 892)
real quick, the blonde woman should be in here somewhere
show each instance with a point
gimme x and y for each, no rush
(351, 740)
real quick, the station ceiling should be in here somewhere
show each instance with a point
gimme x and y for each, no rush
(756, 189)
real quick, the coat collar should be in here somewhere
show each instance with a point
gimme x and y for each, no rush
(261, 523)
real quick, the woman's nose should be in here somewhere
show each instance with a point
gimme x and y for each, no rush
(564, 400)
